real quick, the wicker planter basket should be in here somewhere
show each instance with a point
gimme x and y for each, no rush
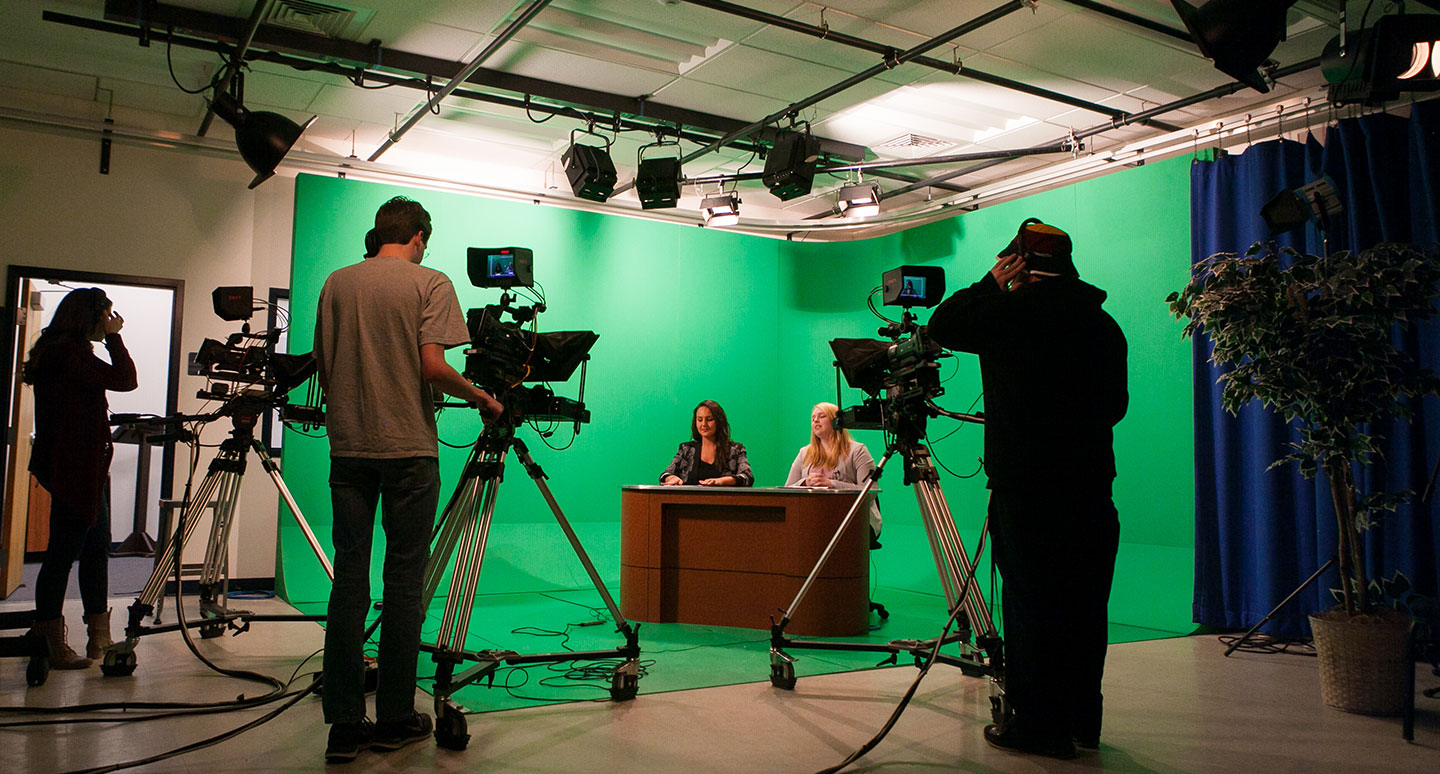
(1363, 662)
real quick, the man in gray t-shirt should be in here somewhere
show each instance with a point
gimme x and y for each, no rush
(381, 330)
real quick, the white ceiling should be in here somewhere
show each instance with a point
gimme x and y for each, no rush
(681, 56)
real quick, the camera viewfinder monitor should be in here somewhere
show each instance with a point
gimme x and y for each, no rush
(234, 303)
(501, 267)
(914, 286)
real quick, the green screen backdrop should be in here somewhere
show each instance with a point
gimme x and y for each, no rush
(686, 313)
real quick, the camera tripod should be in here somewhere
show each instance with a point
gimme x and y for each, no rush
(222, 477)
(463, 531)
(983, 656)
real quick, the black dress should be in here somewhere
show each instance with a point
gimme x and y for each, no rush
(702, 471)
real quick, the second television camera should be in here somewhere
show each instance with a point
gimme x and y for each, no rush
(900, 376)
(505, 354)
(245, 371)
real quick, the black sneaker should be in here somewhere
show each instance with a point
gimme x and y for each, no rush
(348, 739)
(1013, 739)
(1087, 742)
(393, 734)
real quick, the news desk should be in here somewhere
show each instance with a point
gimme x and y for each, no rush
(732, 556)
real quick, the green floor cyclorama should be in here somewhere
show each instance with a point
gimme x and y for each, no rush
(674, 656)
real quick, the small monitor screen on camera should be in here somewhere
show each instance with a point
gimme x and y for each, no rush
(913, 286)
(501, 267)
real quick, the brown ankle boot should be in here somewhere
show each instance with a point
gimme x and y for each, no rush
(61, 656)
(98, 627)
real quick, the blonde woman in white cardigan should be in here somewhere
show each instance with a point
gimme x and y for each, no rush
(833, 460)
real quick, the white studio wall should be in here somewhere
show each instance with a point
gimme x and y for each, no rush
(166, 215)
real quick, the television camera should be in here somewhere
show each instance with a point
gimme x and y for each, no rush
(901, 375)
(251, 378)
(246, 372)
(505, 354)
(901, 379)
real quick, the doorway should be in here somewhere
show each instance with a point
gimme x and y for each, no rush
(152, 310)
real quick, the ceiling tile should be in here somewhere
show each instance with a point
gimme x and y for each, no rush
(719, 100)
(562, 67)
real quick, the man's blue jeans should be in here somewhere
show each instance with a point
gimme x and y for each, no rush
(407, 491)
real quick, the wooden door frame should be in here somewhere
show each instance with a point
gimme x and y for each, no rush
(9, 568)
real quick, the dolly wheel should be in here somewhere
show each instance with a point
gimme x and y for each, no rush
(782, 675)
(450, 730)
(118, 664)
(623, 686)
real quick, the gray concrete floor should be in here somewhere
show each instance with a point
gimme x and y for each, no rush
(1172, 706)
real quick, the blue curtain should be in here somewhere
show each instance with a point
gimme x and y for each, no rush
(1259, 534)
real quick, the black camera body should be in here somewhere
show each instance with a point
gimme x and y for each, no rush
(507, 349)
(900, 376)
(245, 371)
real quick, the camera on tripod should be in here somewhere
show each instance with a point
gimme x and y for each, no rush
(504, 353)
(245, 370)
(901, 376)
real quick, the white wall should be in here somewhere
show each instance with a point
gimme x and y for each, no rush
(164, 214)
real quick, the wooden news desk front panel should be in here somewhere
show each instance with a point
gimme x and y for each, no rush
(733, 557)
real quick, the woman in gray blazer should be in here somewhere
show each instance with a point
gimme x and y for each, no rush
(833, 460)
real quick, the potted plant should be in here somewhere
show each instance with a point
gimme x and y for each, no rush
(1311, 338)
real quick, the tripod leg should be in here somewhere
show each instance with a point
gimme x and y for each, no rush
(625, 678)
(270, 467)
(119, 658)
(455, 623)
(458, 512)
(215, 552)
(957, 569)
(945, 565)
(860, 499)
(782, 664)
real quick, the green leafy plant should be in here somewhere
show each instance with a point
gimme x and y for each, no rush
(1311, 338)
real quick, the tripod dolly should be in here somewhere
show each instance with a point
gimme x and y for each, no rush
(980, 645)
(221, 482)
(463, 531)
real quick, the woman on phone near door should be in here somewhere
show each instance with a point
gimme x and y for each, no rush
(71, 459)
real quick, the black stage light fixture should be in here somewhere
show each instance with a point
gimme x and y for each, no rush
(860, 201)
(589, 169)
(790, 166)
(1237, 35)
(721, 209)
(657, 179)
(1317, 200)
(1399, 54)
(262, 137)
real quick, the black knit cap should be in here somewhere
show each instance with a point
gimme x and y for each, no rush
(1044, 248)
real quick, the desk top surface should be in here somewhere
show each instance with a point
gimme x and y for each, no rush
(736, 490)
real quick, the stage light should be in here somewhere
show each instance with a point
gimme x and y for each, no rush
(790, 165)
(1398, 55)
(1237, 35)
(721, 209)
(657, 179)
(860, 201)
(589, 169)
(262, 137)
(1317, 200)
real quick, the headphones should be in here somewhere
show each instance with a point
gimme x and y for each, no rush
(1020, 243)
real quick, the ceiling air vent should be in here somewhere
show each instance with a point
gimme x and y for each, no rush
(314, 18)
(911, 146)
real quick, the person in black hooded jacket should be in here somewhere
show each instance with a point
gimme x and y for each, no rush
(1052, 365)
